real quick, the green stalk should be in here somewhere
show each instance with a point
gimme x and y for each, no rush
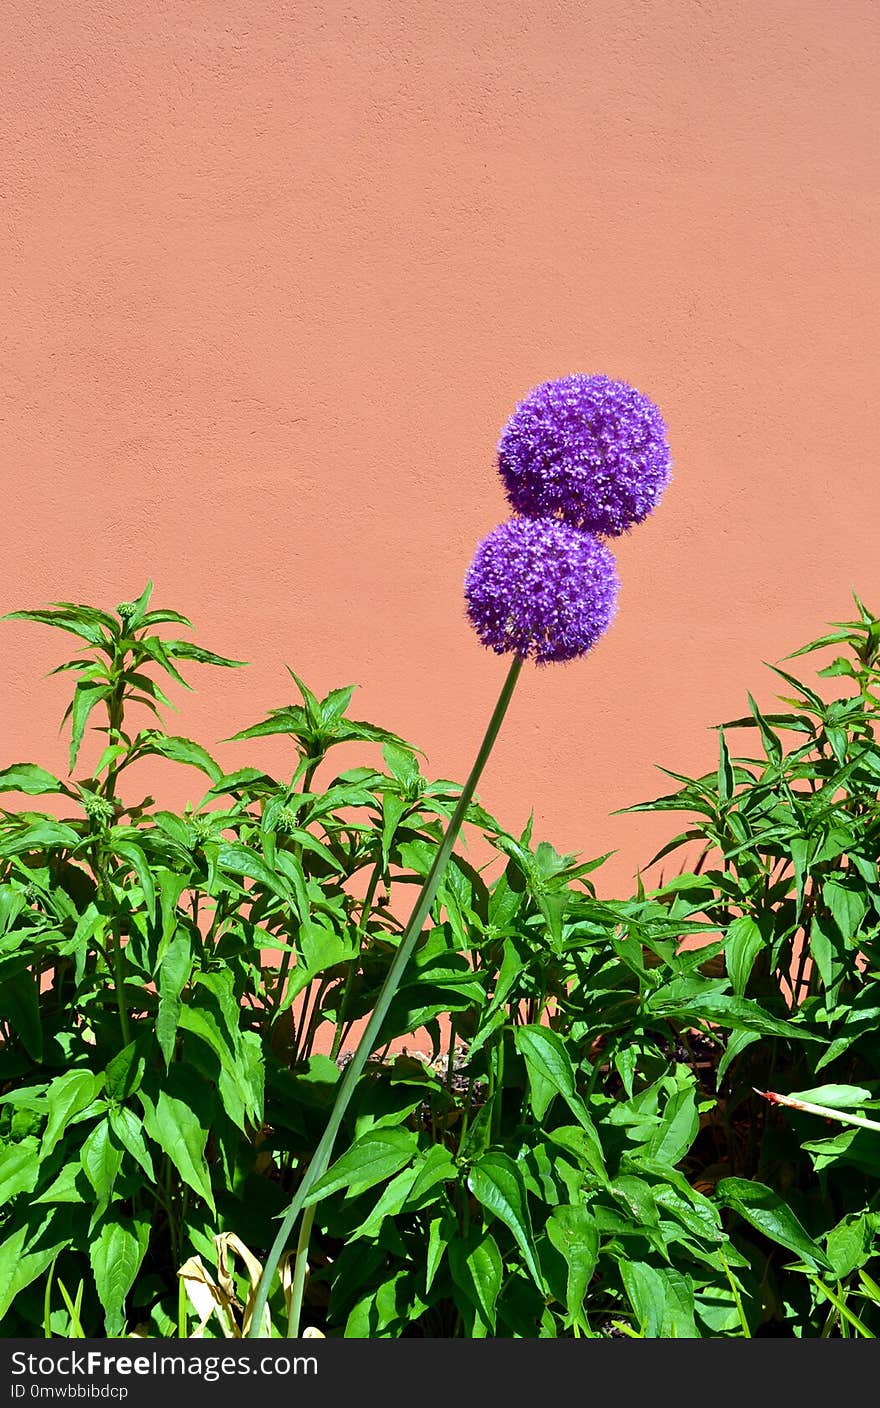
(115, 715)
(351, 1076)
(301, 1266)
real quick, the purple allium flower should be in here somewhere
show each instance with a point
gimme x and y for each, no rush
(541, 588)
(586, 449)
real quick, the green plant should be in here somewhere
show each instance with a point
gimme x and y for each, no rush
(557, 1133)
(783, 865)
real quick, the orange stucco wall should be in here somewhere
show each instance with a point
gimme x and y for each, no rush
(275, 274)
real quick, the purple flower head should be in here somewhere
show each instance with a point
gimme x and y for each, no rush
(586, 449)
(541, 589)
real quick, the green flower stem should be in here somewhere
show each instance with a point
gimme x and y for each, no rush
(301, 1266)
(351, 1075)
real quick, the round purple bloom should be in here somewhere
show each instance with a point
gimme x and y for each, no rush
(541, 588)
(586, 449)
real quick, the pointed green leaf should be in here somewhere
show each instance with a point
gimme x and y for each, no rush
(770, 1214)
(174, 973)
(131, 851)
(496, 1183)
(239, 860)
(116, 1254)
(743, 942)
(378, 1155)
(574, 1233)
(725, 770)
(73, 620)
(183, 650)
(847, 905)
(28, 778)
(663, 1301)
(179, 1133)
(478, 1269)
(550, 1072)
(19, 1168)
(101, 1159)
(85, 698)
(127, 1130)
(27, 1250)
(181, 750)
(68, 1095)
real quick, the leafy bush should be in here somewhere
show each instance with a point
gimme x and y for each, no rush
(559, 1134)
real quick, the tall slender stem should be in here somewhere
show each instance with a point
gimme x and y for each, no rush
(351, 1075)
(300, 1269)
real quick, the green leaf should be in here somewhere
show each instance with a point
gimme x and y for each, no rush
(550, 1073)
(163, 615)
(101, 1159)
(847, 905)
(39, 836)
(677, 1130)
(80, 621)
(233, 1083)
(743, 942)
(839, 1097)
(174, 973)
(85, 697)
(574, 1233)
(116, 1254)
(322, 948)
(179, 1133)
(124, 1073)
(184, 650)
(131, 851)
(153, 648)
(135, 620)
(770, 1214)
(378, 1155)
(127, 1129)
(442, 1232)
(772, 744)
(725, 770)
(675, 999)
(334, 705)
(235, 859)
(19, 1168)
(663, 1301)
(27, 1251)
(389, 1204)
(477, 1267)
(496, 1183)
(68, 1095)
(401, 764)
(736, 1044)
(70, 1186)
(849, 1245)
(181, 750)
(28, 778)
(437, 1166)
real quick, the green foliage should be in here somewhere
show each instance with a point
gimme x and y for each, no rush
(560, 1132)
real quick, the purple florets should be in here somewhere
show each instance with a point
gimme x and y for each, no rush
(586, 449)
(541, 589)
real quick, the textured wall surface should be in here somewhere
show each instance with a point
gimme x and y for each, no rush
(274, 276)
